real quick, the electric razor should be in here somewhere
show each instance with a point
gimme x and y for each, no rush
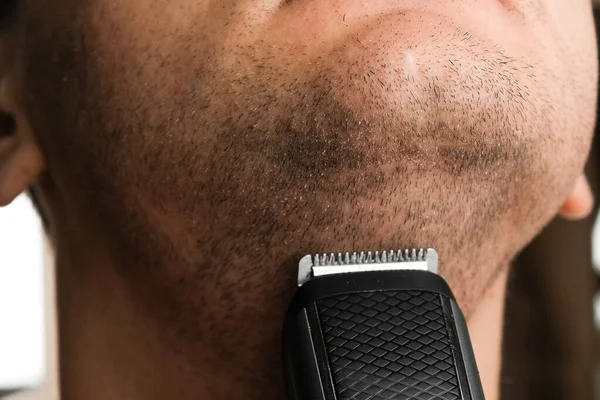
(377, 326)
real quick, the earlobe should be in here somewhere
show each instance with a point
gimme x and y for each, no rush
(580, 202)
(21, 160)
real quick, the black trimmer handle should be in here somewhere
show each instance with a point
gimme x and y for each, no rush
(378, 336)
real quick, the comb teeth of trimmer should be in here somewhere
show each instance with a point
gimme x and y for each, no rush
(312, 266)
(392, 256)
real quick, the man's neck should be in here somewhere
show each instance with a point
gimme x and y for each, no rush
(116, 341)
(485, 327)
(115, 344)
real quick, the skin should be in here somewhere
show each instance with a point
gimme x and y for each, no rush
(188, 154)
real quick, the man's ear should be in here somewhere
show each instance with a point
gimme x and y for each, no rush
(21, 160)
(579, 202)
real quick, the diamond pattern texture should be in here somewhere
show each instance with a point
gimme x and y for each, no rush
(389, 345)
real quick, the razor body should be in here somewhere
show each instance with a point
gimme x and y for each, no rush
(377, 326)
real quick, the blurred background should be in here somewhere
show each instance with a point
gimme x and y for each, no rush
(28, 356)
(552, 330)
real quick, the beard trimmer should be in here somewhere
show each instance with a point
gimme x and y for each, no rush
(377, 326)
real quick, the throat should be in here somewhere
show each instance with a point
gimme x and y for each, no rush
(485, 326)
(123, 339)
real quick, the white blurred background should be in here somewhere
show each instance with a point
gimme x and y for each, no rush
(27, 326)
